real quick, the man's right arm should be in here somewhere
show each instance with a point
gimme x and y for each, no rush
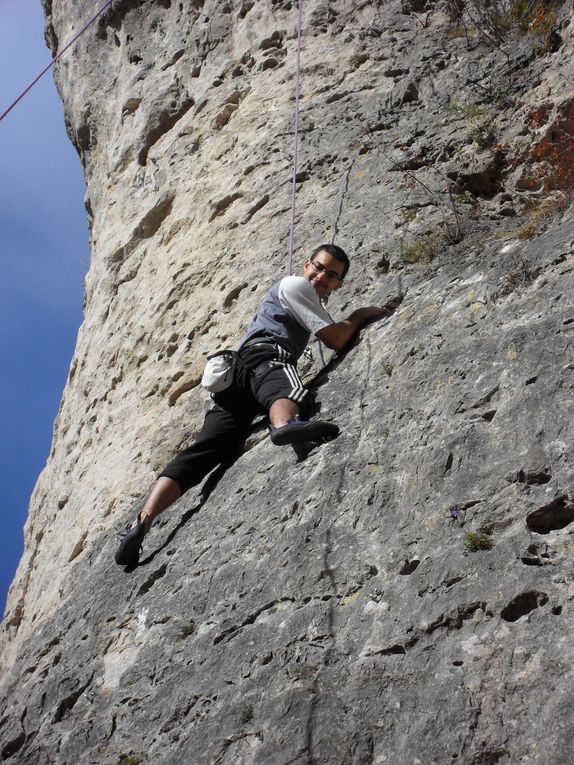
(337, 335)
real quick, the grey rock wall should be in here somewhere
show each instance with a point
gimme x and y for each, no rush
(324, 607)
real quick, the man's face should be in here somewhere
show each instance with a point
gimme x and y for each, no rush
(324, 273)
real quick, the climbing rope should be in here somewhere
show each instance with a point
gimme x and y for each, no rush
(106, 5)
(296, 131)
(56, 58)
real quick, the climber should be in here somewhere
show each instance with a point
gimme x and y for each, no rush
(265, 381)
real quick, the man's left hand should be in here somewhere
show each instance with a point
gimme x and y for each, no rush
(394, 303)
(371, 313)
(336, 336)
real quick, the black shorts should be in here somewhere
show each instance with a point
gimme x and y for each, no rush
(264, 374)
(270, 374)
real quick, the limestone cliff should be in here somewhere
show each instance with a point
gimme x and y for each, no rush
(403, 594)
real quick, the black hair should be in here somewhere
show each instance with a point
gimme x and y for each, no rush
(336, 252)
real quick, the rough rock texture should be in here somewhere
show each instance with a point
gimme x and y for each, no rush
(327, 607)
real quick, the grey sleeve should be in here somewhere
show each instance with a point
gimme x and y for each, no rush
(299, 298)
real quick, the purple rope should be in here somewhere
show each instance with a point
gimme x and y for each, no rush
(56, 58)
(296, 149)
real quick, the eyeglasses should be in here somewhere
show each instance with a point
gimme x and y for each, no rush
(320, 269)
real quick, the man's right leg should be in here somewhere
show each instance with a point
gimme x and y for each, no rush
(220, 440)
(164, 493)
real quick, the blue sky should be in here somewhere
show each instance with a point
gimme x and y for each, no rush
(44, 256)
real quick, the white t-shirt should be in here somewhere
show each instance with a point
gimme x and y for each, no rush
(300, 300)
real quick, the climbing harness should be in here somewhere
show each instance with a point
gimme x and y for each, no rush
(296, 140)
(56, 58)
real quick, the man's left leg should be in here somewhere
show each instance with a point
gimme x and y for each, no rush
(282, 411)
(278, 389)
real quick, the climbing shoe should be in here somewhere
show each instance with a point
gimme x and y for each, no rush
(303, 430)
(128, 552)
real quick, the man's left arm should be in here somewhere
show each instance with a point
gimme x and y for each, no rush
(337, 335)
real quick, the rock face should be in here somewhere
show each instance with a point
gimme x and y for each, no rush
(403, 594)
